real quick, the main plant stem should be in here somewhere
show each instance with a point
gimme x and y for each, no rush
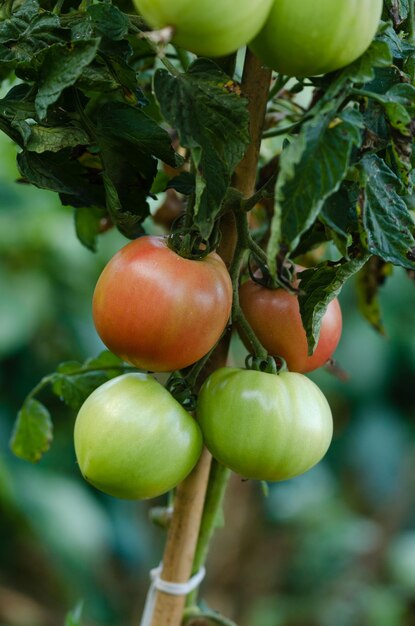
(183, 533)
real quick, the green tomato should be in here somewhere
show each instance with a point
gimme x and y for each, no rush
(207, 27)
(264, 426)
(133, 440)
(311, 37)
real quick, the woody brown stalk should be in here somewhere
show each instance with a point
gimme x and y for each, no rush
(188, 506)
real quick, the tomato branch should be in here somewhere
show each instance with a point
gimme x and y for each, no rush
(411, 22)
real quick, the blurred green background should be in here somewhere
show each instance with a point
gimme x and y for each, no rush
(335, 547)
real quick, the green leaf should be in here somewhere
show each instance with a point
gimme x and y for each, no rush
(16, 104)
(127, 222)
(311, 170)
(28, 31)
(61, 68)
(69, 367)
(58, 171)
(75, 381)
(55, 138)
(400, 48)
(96, 78)
(160, 182)
(12, 27)
(135, 131)
(105, 359)
(87, 225)
(399, 105)
(205, 107)
(130, 143)
(108, 21)
(32, 433)
(369, 280)
(363, 70)
(319, 286)
(339, 215)
(183, 183)
(74, 389)
(387, 225)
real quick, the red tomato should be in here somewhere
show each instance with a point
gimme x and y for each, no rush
(159, 311)
(274, 315)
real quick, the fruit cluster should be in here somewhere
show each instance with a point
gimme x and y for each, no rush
(162, 312)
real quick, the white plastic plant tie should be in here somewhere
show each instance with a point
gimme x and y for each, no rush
(173, 589)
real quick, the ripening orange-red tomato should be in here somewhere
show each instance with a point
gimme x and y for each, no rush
(274, 315)
(158, 310)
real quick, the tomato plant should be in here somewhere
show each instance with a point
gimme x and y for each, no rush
(309, 38)
(264, 426)
(133, 440)
(108, 116)
(274, 315)
(158, 310)
(207, 27)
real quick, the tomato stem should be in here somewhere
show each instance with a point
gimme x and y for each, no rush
(411, 21)
(51, 378)
(197, 368)
(279, 83)
(245, 242)
(218, 480)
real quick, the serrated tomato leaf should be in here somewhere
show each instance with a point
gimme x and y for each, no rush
(205, 107)
(75, 381)
(32, 432)
(318, 287)
(387, 225)
(104, 359)
(311, 170)
(368, 283)
(74, 389)
(118, 123)
(108, 20)
(62, 66)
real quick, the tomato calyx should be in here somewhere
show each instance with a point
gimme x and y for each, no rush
(269, 365)
(182, 391)
(188, 242)
(284, 279)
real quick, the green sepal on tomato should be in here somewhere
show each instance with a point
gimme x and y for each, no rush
(312, 37)
(264, 426)
(274, 316)
(160, 311)
(207, 27)
(133, 440)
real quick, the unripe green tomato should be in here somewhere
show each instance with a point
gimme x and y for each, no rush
(264, 426)
(134, 440)
(311, 37)
(207, 27)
